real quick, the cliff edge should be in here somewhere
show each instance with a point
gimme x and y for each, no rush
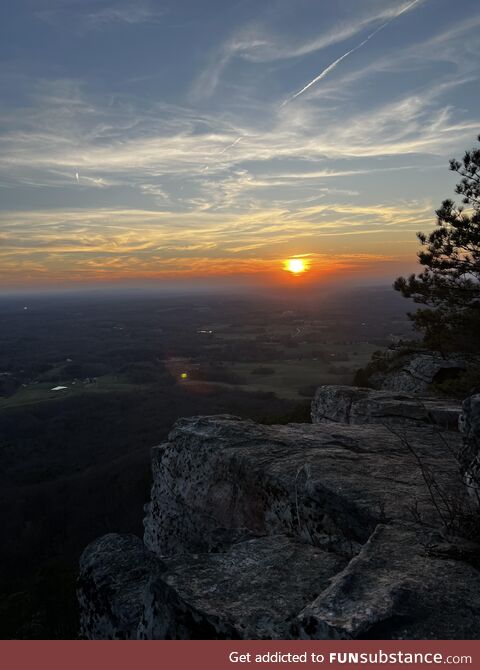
(343, 528)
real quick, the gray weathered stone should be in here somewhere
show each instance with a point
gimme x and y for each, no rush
(306, 530)
(328, 484)
(114, 570)
(356, 405)
(418, 371)
(396, 589)
(252, 591)
(470, 454)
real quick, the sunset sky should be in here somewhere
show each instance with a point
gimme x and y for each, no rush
(201, 140)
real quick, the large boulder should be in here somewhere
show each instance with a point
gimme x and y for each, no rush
(332, 529)
(356, 405)
(470, 453)
(253, 590)
(414, 373)
(397, 588)
(114, 571)
(328, 484)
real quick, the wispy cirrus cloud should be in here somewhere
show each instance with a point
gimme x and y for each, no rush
(101, 178)
(88, 245)
(348, 53)
(257, 44)
(131, 13)
(105, 15)
(109, 145)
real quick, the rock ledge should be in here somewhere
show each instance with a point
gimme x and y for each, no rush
(316, 531)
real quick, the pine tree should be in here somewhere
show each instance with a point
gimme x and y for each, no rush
(449, 285)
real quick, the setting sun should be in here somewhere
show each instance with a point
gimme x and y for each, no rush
(295, 265)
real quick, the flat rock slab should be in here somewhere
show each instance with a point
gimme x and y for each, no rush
(328, 484)
(357, 405)
(254, 590)
(396, 589)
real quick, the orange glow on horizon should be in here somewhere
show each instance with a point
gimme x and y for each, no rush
(247, 271)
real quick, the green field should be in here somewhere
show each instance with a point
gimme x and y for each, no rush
(42, 391)
(291, 376)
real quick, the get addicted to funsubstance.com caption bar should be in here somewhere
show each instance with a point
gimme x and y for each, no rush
(233, 655)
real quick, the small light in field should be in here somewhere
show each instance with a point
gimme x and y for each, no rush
(184, 375)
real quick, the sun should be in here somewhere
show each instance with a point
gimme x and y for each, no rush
(295, 265)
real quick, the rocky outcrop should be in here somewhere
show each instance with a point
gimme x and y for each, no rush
(305, 530)
(395, 589)
(115, 570)
(470, 454)
(253, 590)
(328, 485)
(356, 405)
(415, 372)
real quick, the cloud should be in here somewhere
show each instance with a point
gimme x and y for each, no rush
(455, 48)
(164, 187)
(167, 172)
(183, 159)
(119, 13)
(68, 246)
(337, 61)
(257, 44)
(162, 150)
(132, 13)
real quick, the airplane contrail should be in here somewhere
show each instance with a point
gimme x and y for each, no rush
(239, 139)
(333, 65)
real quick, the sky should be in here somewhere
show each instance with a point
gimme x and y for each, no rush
(188, 141)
